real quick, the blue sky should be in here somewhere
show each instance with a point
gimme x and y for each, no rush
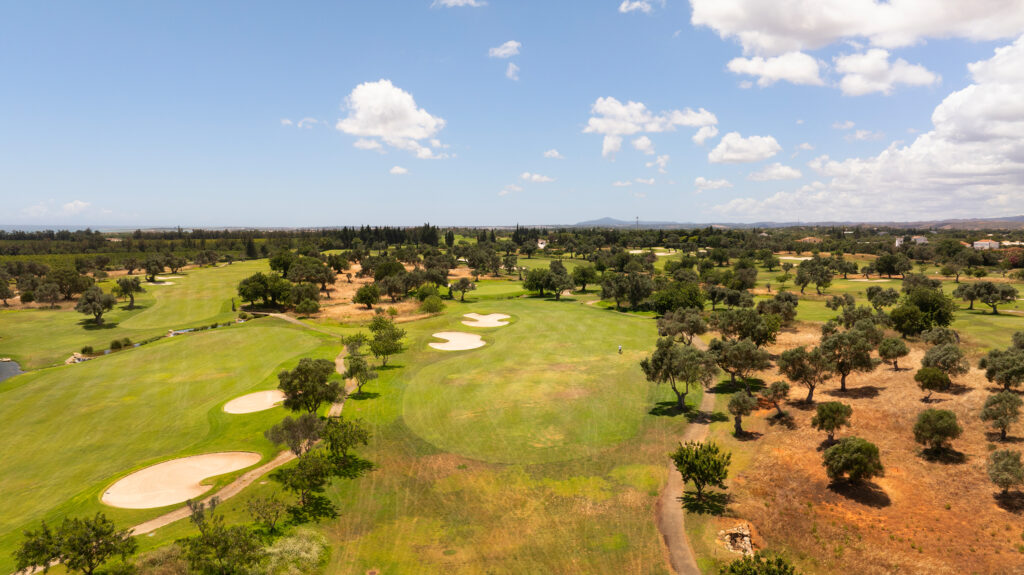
(387, 112)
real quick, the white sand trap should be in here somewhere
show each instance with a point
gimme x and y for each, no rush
(165, 278)
(795, 258)
(174, 481)
(159, 283)
(253, 402)
(457, 341)
(870, 281)
(490, 320)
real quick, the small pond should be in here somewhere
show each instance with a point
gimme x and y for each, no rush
(9, 369)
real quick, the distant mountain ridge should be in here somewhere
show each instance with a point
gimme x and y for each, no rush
(1009, 223)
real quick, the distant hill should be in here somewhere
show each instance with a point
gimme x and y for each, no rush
(1007, 223)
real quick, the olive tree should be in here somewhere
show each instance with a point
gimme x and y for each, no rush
(807, 368)
(776, 393)
(1002, 410)
(854, 459)
(703, 463)
(891, 349)
(680, 366)
(935, 428)
(80, 544)
(1005, 469)
(740, 404)
(95, 302)
(830, 417)
(931, 379)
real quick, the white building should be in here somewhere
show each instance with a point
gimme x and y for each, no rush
(542, 244)
(986, 245)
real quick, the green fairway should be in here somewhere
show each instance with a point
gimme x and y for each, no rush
(550, 386)
(557, 474)
(72, 430)
(40, 337)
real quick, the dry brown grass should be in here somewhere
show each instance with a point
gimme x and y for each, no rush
(922, 517)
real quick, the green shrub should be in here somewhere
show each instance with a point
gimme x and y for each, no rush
(115, 345)
(87, 350)
(433, 304)
(307, 307)
(301, 552)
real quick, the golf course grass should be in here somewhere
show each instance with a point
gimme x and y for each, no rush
(73, 430)
(41, 337)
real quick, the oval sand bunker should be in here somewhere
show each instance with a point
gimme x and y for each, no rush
(253, 402)
(491, 320)
(174, 481)
(457, 341)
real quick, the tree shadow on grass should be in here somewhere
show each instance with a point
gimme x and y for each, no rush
(90, 325)
(863, 492)
(748, 436)
(944, 455)
(362, 395)
(317, 507)
(785, 420)
(803, 405)
(994, 437)
(862, 392)
(136, 308)
(352, 467)
(959, 389)
(704, 417)
(713, 502)
(1012, 501)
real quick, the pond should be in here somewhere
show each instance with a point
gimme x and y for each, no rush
(9, 369)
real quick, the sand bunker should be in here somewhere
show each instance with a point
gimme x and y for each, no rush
(457, 341)
(160, 283)
(165, 278)
(870, 281)
(795, 258)
(174, 481)
(490, 320)
(253, 402)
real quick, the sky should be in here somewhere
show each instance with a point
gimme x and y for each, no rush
(498, 112)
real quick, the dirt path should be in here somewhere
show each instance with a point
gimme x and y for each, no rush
(247, 478)
(669, 511)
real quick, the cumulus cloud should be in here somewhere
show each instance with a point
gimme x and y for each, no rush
(970, 163)
(512, 72)
(535, 178)
(307, 123)
(735, 149)
(458, 3)
(862, 135)
(804, 147)
(74, 207)
(873, 72)
(644, 145)
(702, 183)
(286, 122)
(364, 144)
(661, 162)
(645, 181)
(398, 171)
(509, 189)
(622, 184)
(775, 171)
(792, 67)
(847, 125)
(613, 119)
(553, 154)
(645, 6)
(772, 28)
(506, 50)
(383, 111)
(704, 134)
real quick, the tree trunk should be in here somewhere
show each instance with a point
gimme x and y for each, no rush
(842, 382)
(680, 399)
(971, 306)
(896, 364)
(739, 424)
(779, 409)
(1002, 434)
(831, 436)
(810, 394)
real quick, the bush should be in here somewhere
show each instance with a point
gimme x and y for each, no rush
(126, 342)
(27, 297)
(935, 427)
(853, 457)
(932, 379)
(307, 307)
(759, 564)
(426, 291)
(301, 552)
(87, 350)
(433, 304)
(115, 345)
(244, 316)
(392, 311)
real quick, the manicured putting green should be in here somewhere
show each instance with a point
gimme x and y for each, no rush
(552, 386)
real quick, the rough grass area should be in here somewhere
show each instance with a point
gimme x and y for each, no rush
(451, 497)
(38, 338)
(71, 431)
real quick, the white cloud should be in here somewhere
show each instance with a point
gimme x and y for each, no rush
(535, 178)
(398, 171)
(792, 67)
(862, 135)
(613, 119)
(307, 122)
(286, 122)
(804, 147)
(734, 148)
(702, 183)
(553, 154)
(509, 189)
(847, 125)
(364, 144)
(512, 72)
(647, 181)
(506, 50)
(873, 72)
(644, 6)
(382, 110)
(704, 134)
(771, 28)
(644, 144)
(457, 3)
(971, 163)
(74, 207)
(622, 184)
(661, 162)
(776, 171)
